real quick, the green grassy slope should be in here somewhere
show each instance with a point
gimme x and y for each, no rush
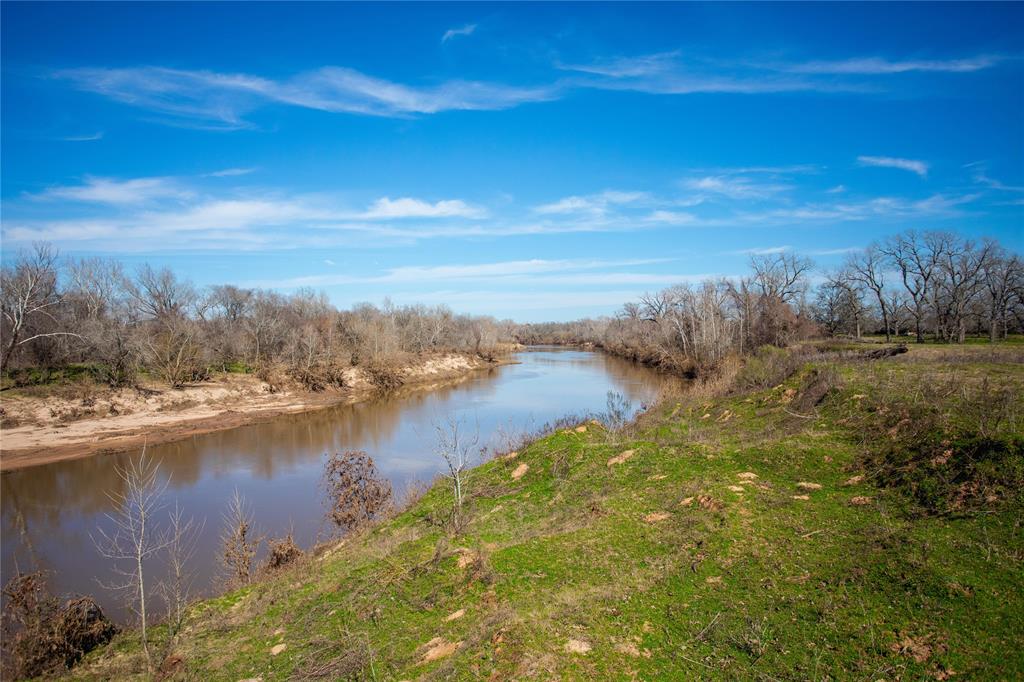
(698, 555)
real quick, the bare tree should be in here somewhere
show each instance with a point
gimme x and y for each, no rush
(160, 294)
(238, 541)
(135, 536)
(916, 258)
(28, 295)
(176, 590)
(781, 276)
(455, 448)
(1002, 274)
(868, 269)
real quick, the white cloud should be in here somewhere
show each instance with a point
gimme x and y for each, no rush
(764, 250)
(84, 138)
(628, 67)
(735, 187)
(110, 191)
(838, 189)
(466, 30)
(532, 271)
(220, 101)
(881, 66)
(231, 172)
(328, 261)
(912, 165)
(407, 207)
(595, 204)
(671, 217)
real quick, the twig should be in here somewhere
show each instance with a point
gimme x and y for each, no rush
(802, 416)
(700, 635)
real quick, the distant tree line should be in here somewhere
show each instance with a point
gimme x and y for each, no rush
(932, 285)
(57, 312)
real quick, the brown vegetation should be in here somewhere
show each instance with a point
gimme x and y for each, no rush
(42, 638)
(356, 493)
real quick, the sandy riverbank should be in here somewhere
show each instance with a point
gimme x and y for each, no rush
(49, 428)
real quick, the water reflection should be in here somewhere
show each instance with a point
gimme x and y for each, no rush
(49, 511)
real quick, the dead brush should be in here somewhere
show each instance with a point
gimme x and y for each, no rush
(41, 638)
(347, 656)
(283, 552)
(385, 376)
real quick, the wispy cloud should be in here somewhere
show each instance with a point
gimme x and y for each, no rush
(912, 165)
(628, 67)
(84, 138)
(593, 204)
(981, 177)
(231, 172)
(517, 270)
(110, 191)
(223, 100)
(735, 187)
(763, 251)
(838, 189)
(466, 30)
(882, 66)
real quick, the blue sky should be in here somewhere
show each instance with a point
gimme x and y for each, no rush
(530, 161)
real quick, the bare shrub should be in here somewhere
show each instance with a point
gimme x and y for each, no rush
(41, 638)
(356, 493)
(176, 590)
(135, 537)
(239, 542)
(619, 411)
(271, 376)
(384, 375)
(283, 552)
(455, 446)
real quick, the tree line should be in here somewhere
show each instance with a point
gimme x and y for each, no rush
(57, 312)
(930, 285)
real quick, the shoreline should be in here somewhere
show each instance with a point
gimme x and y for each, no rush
(249, 403)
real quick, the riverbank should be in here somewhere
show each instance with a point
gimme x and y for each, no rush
(821, 516)
(81, 420)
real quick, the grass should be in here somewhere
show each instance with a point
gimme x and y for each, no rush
(673, 564)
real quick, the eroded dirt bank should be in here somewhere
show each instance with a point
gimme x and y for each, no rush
(41, 429)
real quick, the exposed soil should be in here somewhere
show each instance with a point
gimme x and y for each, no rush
(40, 428)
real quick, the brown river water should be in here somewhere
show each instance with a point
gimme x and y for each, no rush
(51, 512)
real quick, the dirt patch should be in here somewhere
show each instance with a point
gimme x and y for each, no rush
(621, 457)
(577, 646)
(860, 500)
(655, 517)
(919, 648)
(801, 497)
(455, 616)
(747, 476)
(438, 648)
(520, 471)
(806, 485)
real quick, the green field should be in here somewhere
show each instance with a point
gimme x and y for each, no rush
(857, 519)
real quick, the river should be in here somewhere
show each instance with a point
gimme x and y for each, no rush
(52, 512)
